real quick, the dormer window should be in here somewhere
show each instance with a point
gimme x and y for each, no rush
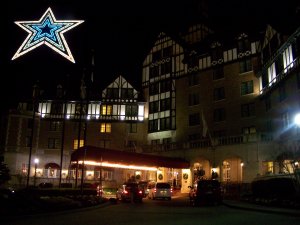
(243, 44)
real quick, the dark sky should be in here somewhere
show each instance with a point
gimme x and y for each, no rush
(120, 32)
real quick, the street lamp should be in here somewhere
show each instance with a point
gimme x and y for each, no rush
(36, 162)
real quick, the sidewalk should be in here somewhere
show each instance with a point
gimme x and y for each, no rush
(261, 208)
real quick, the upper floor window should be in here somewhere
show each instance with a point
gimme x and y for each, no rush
(75, 143)
(247, 87)
(131, 110)
(132, 128)
(165, 123)
(127, 93)
(153, 125)
(219, 115)
(166, 68)
(194, 119)
(156, 56)
(153, 107)
(288, 58)
(282, 92)
(56, 108)
(80, 109)
(53, 143)
(218, 73)
(245, 65)
(193, 61)
(243, 44)
(249, 130)
(167, 52)
(105, 128)
(112, 93)
(106, 109)
(248, 110)
(165, 86)
(272, 74)
(153, 71)
(219, 93)
(194, 99)
(193, 79)
(55, 126)
(217, 53)
(165, 104)
(154, 88)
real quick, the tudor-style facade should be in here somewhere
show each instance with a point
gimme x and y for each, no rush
(207, 100)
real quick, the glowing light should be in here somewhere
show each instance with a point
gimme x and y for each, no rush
(297, 119)
(48, 31)
(117, 165)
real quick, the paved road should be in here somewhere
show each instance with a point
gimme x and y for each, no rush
(158, 212)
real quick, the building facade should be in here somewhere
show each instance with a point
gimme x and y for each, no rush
(227, 107)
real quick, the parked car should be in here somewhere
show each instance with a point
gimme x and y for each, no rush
(205, 192)
(130, 192)
(160, 190)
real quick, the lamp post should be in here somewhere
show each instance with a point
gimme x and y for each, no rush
(36, 162)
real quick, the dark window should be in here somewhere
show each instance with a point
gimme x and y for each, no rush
(243, 45)
(153, 107)
(153, 125)
(249, 130)
(154, 88)
(154, 71)
(167, 52)
(194, 119)
(30, 123)
(165, 86)
(282, 92)
(166, 68)
(219, 115)
(53, 143)
(245, 65)
(247, 110)
(247, 87)
(156, 56)
(268, 103)
(127, 93)
(78, 110)
(165, 104)
(112, 93)
(55, 126)
(194, 99)
(132, 127)
(193, 61)
(219, 93)
(131, 110)
(165, 123)
(193, 79)
(56, 108)
(218, 73)
(217, 53)
(28, 141)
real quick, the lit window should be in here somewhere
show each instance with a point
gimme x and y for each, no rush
(81, 143)
(106, 110)
(105, 128)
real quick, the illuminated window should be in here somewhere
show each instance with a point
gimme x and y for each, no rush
(106, 109)
(268, 167)
(105, 127)
(81, 143)
(226, 171)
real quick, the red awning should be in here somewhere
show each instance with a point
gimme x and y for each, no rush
(52, 166)
(91, 153)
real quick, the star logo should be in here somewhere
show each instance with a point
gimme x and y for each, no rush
(48, 31)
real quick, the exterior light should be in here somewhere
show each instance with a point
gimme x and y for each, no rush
(36, 162)
(297, 119)
(242, 164)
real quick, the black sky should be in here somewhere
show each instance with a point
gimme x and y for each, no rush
(120, 32)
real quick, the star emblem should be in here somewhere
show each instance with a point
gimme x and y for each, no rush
(48, 31)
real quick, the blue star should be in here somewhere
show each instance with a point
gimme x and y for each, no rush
(48, 31)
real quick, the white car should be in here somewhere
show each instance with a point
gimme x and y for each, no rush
(160, 190)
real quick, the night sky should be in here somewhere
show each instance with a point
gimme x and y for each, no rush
(121, 33)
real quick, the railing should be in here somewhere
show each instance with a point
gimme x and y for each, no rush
(206, 143)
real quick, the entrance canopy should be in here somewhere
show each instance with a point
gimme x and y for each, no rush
(99, 155)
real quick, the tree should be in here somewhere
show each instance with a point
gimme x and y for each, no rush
(4, 173)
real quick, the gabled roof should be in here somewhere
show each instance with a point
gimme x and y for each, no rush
(91, 153)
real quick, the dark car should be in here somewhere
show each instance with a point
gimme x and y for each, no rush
(206, 192)
(130, 192)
